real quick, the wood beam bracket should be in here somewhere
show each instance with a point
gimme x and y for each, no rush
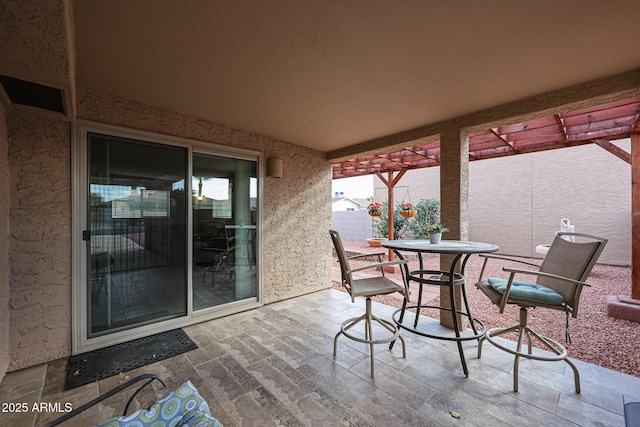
(613, 149)
(502, 138)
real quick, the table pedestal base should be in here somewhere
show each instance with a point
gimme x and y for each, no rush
(478, 328)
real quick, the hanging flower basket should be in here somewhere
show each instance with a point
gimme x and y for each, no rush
(407, 210)
(375, 209)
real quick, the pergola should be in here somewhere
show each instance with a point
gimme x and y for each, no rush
(598, 125)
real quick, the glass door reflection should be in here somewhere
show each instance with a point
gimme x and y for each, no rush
(136, 242)
(224, 230)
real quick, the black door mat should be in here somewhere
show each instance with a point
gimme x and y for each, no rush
(106, 362)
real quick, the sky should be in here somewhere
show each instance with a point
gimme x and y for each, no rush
(218, 188)
(359, 187)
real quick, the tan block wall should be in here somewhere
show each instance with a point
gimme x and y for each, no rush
(297, 215)
(517, 202)
(586, 184)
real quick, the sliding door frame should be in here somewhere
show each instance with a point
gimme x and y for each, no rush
(79, 184)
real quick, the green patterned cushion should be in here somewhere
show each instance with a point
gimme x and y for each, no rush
(528, 291)
(182, 407)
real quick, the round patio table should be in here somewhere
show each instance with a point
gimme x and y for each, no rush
(462, 251)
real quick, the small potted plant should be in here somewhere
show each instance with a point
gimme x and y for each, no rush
(435, 232)
(407, 210)
(376, 242)
(375, 209)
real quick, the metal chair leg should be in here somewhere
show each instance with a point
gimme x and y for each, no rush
(368, 317)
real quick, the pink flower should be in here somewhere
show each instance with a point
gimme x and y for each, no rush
(374, 207)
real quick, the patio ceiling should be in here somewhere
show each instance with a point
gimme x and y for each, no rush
(596, 125)
(330, 75)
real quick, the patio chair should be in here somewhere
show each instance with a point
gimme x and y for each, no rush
(239, 252)
(558, 285)
(226, 261)
(182, 407)
(368, 287)
(101, 264)
(632, 414)
(210, 249)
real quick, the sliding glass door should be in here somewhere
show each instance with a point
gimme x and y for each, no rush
(166, 233)
(224, 230)
(136, 241)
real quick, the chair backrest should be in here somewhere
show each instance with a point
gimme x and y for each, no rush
(342, 258)
(571, 259)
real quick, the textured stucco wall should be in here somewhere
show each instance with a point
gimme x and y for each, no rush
(297, 207)
(39, 242)
(297, 218)
(37, 44)
(454, 182)
(517, 201)
(4, 243)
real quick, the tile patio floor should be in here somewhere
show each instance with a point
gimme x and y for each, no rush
(274, 366)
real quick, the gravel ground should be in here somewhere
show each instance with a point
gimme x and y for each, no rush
(596, 338)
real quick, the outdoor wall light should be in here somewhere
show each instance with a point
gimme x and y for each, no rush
(274, 168)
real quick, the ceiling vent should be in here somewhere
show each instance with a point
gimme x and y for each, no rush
(35, 95)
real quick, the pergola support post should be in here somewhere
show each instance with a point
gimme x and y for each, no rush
(391, 182)
(622, 306)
